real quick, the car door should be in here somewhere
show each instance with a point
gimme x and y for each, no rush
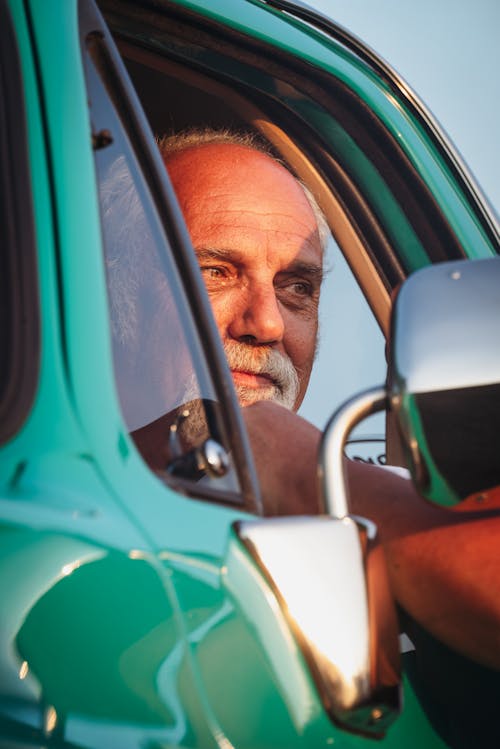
(65, 563)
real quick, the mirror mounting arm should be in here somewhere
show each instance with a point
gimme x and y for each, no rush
(331, 452)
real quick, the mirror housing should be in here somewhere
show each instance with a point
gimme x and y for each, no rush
(316, 571)
(326, 587)
(316, 588)
(444, 378)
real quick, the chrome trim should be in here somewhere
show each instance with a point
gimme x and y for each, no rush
(214, 459)
(333, 441)
(304, 560)
(344, 624)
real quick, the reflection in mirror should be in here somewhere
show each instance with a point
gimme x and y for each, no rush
(444, 378)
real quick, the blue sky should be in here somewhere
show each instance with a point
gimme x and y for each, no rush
(449, 53)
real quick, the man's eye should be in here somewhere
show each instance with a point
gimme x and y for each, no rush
(299, 288)
(213, 273)
(298, 295)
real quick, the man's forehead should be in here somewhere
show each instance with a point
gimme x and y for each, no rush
(212, 166)
(235, 198)
(236, 152)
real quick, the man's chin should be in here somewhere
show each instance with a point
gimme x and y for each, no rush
(247, 396)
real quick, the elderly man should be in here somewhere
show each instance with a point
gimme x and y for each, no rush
(259, 238)
(256, 235)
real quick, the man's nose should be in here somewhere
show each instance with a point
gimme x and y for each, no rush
(258, 318)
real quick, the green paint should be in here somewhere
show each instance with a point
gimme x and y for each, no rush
(118, 611)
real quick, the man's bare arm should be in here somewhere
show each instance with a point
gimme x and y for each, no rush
(444, 566)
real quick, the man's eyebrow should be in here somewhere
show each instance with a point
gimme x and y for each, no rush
(302, 268)
(298, 266)
(207, 253)
(312, 271)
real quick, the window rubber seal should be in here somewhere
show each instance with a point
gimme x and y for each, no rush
(20, 330)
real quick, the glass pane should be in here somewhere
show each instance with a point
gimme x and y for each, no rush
(167, 397)
(153, 359)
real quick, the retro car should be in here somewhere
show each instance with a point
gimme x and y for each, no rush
(153, 609)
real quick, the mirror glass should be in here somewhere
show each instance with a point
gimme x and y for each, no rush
(444, 378)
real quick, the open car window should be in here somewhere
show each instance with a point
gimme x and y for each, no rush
(177, 95)
(350, 357)
(328, 124)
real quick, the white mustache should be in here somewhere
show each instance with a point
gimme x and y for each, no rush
(284, 382)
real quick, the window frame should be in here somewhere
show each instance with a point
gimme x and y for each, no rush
(427, 224)
(125, 100)
(360, 233)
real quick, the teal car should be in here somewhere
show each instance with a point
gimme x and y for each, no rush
(147, 608)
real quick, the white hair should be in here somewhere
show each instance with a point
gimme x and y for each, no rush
(127, 236)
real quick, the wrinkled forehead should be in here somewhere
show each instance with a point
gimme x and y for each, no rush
(218, 182)
(234, 170)
(221, 159)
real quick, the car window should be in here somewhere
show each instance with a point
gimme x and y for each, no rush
(166, 392)
(328, 123)
(351, 350)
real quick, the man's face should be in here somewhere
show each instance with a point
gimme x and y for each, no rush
(257, 243)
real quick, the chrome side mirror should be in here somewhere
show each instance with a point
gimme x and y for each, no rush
(316, 588)
(327, 584)
(444, 378)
